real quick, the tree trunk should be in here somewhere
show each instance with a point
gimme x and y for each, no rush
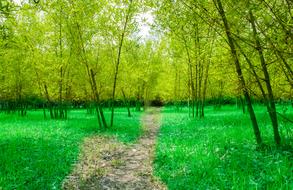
(206, 77)
(49, 103)
(198, 77)
(127, 103)
(100, 114)
(191, 82)
(256, 130)
(60, 106)
(205, 89)
(61, 113)
(118, 61)
(270, 97)
(199, 101)
(101, 117)
(196, 89)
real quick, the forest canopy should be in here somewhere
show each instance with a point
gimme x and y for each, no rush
(51, 43)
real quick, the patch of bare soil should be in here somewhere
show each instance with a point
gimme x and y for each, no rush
(108, 164)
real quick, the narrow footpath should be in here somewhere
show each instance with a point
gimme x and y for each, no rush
(108, 164)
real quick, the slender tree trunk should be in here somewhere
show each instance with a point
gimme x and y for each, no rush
(196, 89)
(199, 102)
(191, 82)
(61, 113)
(50, 106)
(89, 73)
(272, 107)
(179, 92)
(100, 114)
(127, 103)
(206, 77)
(256, 130)
(198, 76)
(257, 78)
(67, 96)
(101, 117)
(205, 84)
(119, 60)
(189, 98)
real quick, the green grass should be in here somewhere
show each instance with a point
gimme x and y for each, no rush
(38, 154)
(219, 152)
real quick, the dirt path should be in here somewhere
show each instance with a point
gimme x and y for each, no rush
(107, 164)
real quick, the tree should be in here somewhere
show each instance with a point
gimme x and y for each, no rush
(128, 17)
(220, 8)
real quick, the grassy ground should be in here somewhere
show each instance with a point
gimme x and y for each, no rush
(38, 154)
(219, 152)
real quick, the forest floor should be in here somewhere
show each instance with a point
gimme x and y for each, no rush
(106, 163)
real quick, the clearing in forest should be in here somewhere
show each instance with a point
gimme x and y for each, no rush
(108, 164)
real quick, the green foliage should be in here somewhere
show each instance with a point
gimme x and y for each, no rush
(76, 50)
(219, 152)
(38, 153)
